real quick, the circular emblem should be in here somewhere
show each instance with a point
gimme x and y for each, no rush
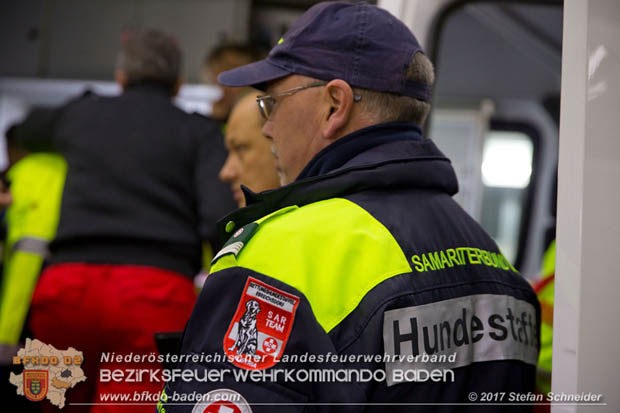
(238, 232)
(222, 401)
(270, 345)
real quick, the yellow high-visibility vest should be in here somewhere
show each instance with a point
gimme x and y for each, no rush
(544, 291)
(37, 183)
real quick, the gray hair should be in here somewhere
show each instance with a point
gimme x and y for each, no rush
(150, 56)
(390, 107)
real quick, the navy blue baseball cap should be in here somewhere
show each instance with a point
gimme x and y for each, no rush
(361, 44)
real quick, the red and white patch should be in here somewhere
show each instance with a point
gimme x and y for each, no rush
(261, 326)
(222, 401)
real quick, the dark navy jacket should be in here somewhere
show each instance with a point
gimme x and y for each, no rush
(368, 264)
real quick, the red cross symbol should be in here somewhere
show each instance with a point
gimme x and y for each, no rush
(270, 345)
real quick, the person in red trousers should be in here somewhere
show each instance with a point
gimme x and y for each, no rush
(141, 196)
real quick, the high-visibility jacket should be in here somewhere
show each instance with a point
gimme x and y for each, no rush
(544, 290)
(36, 186)
(367, 268)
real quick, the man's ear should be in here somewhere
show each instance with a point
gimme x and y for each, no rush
(121, 78)
(339, 96)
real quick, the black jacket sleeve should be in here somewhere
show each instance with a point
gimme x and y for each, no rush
(35, 133)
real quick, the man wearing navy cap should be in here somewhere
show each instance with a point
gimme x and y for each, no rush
(360, 284)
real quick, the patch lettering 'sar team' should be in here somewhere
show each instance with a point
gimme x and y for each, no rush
(261, 326)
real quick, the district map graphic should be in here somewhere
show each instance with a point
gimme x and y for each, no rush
(48, 372)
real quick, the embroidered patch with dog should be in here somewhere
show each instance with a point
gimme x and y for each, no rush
(261, 326)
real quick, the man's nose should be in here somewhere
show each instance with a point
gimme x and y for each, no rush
(267, 129)
(228, 172)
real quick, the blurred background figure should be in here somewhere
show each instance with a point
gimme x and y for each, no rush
(225, 57)
(545, 288)
(5, 196)
(141, 194)
(250, 161)
(36, 183)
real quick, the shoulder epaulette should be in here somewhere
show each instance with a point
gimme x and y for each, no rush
(237, 241)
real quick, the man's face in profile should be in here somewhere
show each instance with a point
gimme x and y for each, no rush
(293, 125)
(250, 161)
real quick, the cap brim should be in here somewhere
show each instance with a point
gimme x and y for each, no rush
(255, 74)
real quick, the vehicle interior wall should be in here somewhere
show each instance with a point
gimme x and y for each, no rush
(586, 305)
(54, 50)
(498, 66)
(74, 39)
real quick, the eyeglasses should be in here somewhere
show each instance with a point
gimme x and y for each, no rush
(266, 103)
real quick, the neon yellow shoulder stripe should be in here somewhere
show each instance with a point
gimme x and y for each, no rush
(333, 251)
(37, 182)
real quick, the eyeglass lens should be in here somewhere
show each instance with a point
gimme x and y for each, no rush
(266, 107)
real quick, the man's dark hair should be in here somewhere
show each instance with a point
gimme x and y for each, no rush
(150, 56)
(390, 107)
(246, 51)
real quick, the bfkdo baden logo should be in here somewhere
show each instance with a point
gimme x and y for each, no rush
(35, 384)
(48, 372)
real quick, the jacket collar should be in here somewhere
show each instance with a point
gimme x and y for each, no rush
(390, 156)
(348, 147)
(150, 87)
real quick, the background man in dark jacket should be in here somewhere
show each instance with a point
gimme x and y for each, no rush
(141, 195)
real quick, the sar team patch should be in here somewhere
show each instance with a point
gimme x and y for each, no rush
(261, 326)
